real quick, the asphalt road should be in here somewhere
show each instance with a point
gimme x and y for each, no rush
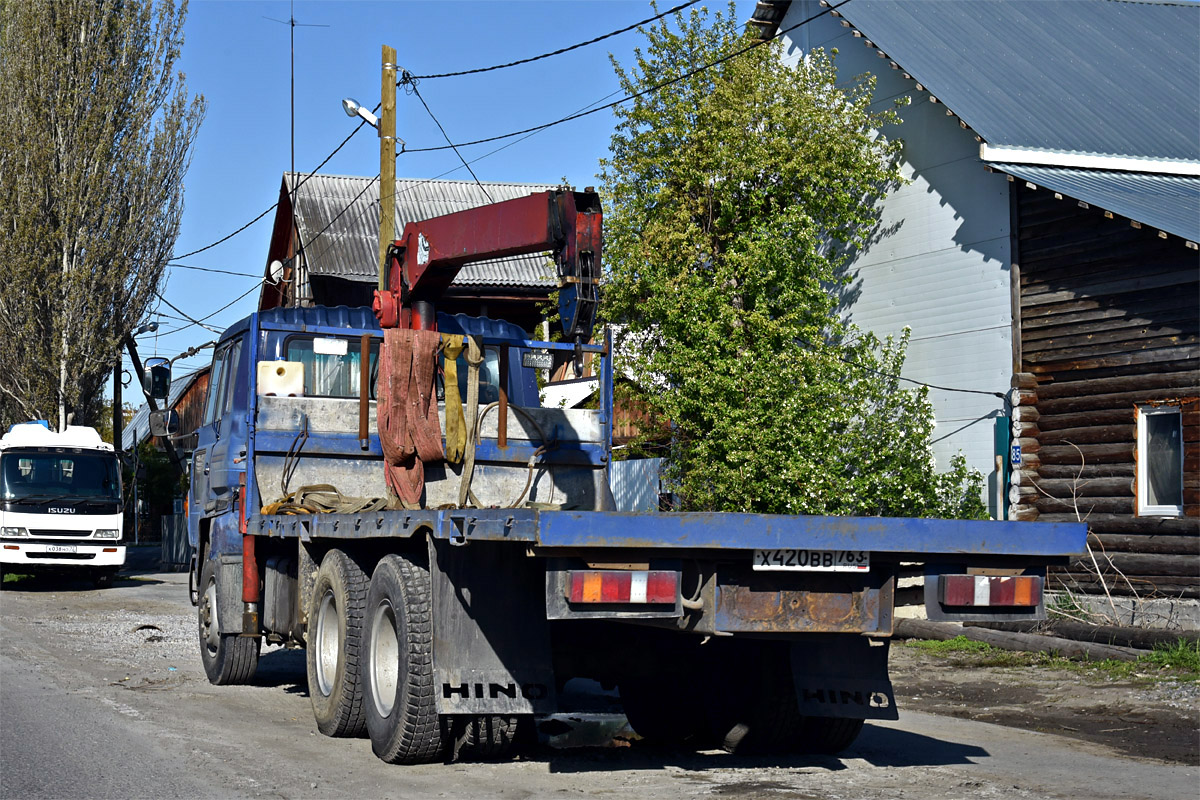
(102, 695)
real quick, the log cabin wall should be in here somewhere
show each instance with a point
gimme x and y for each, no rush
(1109, 320)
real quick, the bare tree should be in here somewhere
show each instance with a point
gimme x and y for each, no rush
(96, 134)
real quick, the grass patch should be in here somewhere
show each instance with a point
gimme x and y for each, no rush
(1179, 661)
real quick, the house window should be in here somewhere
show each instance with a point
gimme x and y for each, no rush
(1160, 461)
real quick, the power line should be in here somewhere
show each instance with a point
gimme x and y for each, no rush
(210, 269)
(411, 83)
(562, 50)
(274, 205)
(626, 99)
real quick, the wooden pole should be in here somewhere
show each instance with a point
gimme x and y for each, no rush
(387, 161)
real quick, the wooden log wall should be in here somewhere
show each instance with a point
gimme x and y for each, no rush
(1109, 319)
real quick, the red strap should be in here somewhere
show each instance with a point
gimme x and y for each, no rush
(407, 413)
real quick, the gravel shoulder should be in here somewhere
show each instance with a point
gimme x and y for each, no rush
(1141, 718)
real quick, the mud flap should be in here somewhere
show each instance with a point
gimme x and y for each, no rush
(491, 641)
(843, 676)
(229, 593)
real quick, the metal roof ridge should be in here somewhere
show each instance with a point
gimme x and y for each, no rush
(1014, 154)
(421, 180)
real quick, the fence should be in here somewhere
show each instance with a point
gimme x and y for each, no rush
(176, 552)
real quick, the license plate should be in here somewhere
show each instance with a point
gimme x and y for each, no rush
(62, 548)
(537, 359)
(813, 560)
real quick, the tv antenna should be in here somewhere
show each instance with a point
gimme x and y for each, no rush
(292, 24)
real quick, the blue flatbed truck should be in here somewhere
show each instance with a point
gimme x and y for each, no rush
(448, 626)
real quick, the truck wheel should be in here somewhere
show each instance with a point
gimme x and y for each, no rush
(827, 735)
(755, 710)
(335, 618)
(664, 712)
(228, 658)
(400, 701)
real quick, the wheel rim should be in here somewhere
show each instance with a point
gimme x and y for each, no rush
(327, 644)
(208, 622)
(384, 658)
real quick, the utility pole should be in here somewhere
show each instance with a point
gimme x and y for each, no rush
(387, 161)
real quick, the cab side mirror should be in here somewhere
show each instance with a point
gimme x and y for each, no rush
(164, 423)
(157, 378)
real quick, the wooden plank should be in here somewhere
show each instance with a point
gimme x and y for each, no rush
(1146, 543)
(1159, 306)
(1117, 635)
(1183, 379)
(1085, 487)
(1167, 565)
(1124, 286)
(1088, 471)
(1106, 416)
(1112, 268)
(1129, 524)
(1088, 454)
(1050, 327)
(1146, 302)
(1093, 434)
(1111, 346)
(1073, 404)
(1085, 506)
(1126, 359)
(1141, 585)
(1069, 336)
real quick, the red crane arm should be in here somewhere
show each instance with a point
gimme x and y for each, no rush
(429, 254)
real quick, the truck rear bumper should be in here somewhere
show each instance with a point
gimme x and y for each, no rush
(64, 556)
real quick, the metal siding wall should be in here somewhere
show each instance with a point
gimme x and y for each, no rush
(635, 484)
(941, 264)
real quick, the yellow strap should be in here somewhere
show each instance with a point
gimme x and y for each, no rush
(456, 426)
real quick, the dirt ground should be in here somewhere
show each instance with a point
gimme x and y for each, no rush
(1139, 718)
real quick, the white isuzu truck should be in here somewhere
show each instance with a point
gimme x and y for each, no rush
(60, 503)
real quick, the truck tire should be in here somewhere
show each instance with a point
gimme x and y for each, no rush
(335, 619)
(398, 680)
(665, 712)
(754, 707)
(228, 659)
(827, 735)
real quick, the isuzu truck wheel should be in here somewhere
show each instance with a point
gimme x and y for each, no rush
(400, 700)
(228, 658)
(335, 619)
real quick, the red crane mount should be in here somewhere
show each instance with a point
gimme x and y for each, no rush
(428, 255)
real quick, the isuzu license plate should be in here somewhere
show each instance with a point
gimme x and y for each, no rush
(62, 548)
(813, 560)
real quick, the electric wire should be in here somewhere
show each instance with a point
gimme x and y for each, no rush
(171, 265)
(274, 205)
(410, 84)
(561, 50)
(634, 96)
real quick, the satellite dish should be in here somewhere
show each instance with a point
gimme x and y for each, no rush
(275, 271)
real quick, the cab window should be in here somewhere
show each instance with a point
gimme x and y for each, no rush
(489, 376)
(331, 365)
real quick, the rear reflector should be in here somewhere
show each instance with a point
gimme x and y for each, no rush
(610, 586)
(991, 590)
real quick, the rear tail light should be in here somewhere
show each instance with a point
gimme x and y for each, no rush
(991, 590)
(643, 587)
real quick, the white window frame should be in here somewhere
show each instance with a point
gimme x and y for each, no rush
(1145, 509)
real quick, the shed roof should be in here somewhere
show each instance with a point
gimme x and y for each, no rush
(1105, 77)
(1169, 203)
(338, 219)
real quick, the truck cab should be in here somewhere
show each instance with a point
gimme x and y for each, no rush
(60, 503)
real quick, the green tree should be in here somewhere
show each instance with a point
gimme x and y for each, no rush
(734, 197)
(98, 133)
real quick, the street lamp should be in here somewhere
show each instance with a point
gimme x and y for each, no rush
(149, 327)
(353, 109)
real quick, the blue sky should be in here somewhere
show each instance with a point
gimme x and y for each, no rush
(238, 59)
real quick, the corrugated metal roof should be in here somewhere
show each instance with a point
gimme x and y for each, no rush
(1110, 77)
(344, 210)
(1169, 203)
